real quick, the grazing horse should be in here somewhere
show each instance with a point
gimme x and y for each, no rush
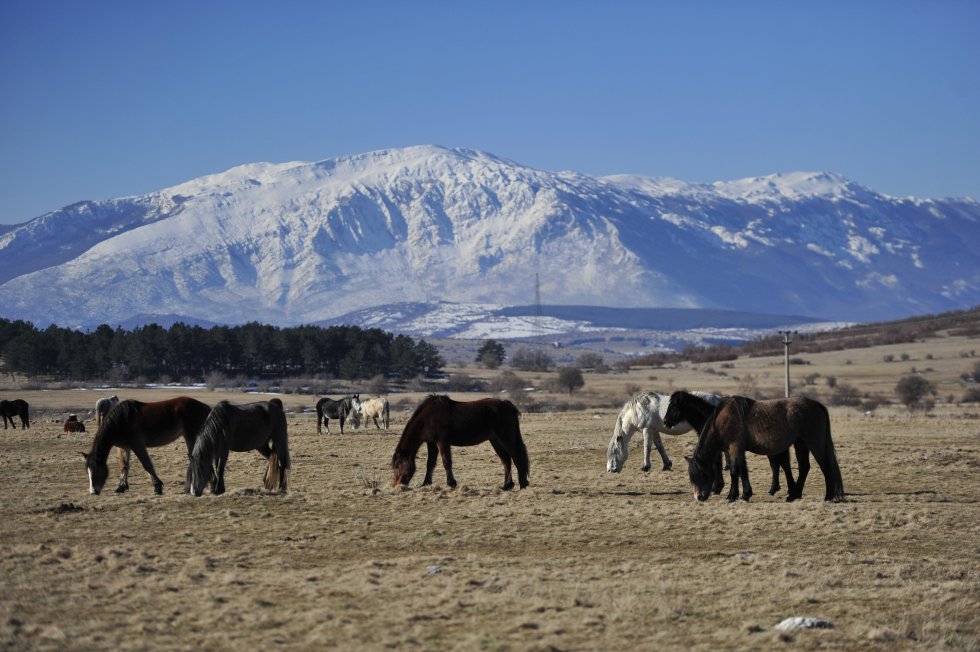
(644, 413)
(441, 422)
(15, 408)
(72, 424)
(692, 408)
(741, 424)
(327, 408)
(103, 406)
(257, 426)
(374, 409)
(134, 426)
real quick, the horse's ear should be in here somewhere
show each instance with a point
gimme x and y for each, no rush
(687, 459)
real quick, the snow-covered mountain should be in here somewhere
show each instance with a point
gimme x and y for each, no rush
(304, 242)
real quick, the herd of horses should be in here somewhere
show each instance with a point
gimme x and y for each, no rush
(728, 427)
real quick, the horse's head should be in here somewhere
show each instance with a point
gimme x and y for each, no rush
(703, 476)
(402, 467)
(674, 413)
(98, 472)
(619, 450)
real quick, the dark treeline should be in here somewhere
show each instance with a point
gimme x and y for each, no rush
(181, 351)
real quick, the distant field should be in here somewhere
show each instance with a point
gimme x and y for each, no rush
(582, 560)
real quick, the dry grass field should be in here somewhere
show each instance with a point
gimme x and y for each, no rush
(582, 560)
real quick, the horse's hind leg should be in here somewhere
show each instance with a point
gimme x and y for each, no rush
(506, 460)
(803, 463)
(430, 462)
(123, 470)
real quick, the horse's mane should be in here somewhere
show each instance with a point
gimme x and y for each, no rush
(210, 440)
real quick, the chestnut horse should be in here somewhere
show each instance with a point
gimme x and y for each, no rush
(441, 422)
(134, 426)
(260, 426)
(770, 427)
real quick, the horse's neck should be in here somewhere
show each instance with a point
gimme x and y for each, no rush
(102, 443)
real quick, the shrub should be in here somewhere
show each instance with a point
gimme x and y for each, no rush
(916, 393)
(526, 360)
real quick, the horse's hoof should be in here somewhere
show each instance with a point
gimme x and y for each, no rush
(746, 498)
(452, 484)
(122, 488)
(668, 466)
(507, 486)
(791, 498)
(774, 491)
(158, 490)
(645, 469)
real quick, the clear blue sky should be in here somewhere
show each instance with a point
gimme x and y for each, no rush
(105, 98)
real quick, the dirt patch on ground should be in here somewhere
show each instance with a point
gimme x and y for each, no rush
(583, 560)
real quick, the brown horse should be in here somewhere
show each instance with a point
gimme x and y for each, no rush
(695, 410)
(257, 426)
(15, 408)
(135, 426)
(72, 424)
(441, 422)
(741, 425)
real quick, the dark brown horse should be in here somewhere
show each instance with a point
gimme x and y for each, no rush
(685, 406)
(135, 426)
(15, 408)
(743, 425)
(257, 426)
(440, 422)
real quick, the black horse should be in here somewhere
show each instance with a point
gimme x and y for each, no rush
(743, 425)
(328, 408)
(15, 408)
(684, 406)
(257, 426)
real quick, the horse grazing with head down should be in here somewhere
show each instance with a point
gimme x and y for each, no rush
(691, 407)
(15, 408)
(135, 426)
(328, 408)
(645, 413)
(260, 426)
(741, 424)
(440, 422)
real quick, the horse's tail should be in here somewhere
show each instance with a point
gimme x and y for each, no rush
(25, 415)
(277, 472)
(209, 447)
(831, 470)
(521, 459)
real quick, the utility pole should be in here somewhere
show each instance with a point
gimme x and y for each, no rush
(787, 340)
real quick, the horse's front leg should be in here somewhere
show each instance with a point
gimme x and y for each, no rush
(655, 435)
(430, 462)
(342, 419)
(218, 481)
(144, 457)
(123, 470)
(738, 459)
(447, 463)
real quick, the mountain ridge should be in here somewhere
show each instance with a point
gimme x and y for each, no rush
(300, 242)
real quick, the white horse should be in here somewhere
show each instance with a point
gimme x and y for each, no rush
(374, 409)
(645, 412)
(103, 407)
